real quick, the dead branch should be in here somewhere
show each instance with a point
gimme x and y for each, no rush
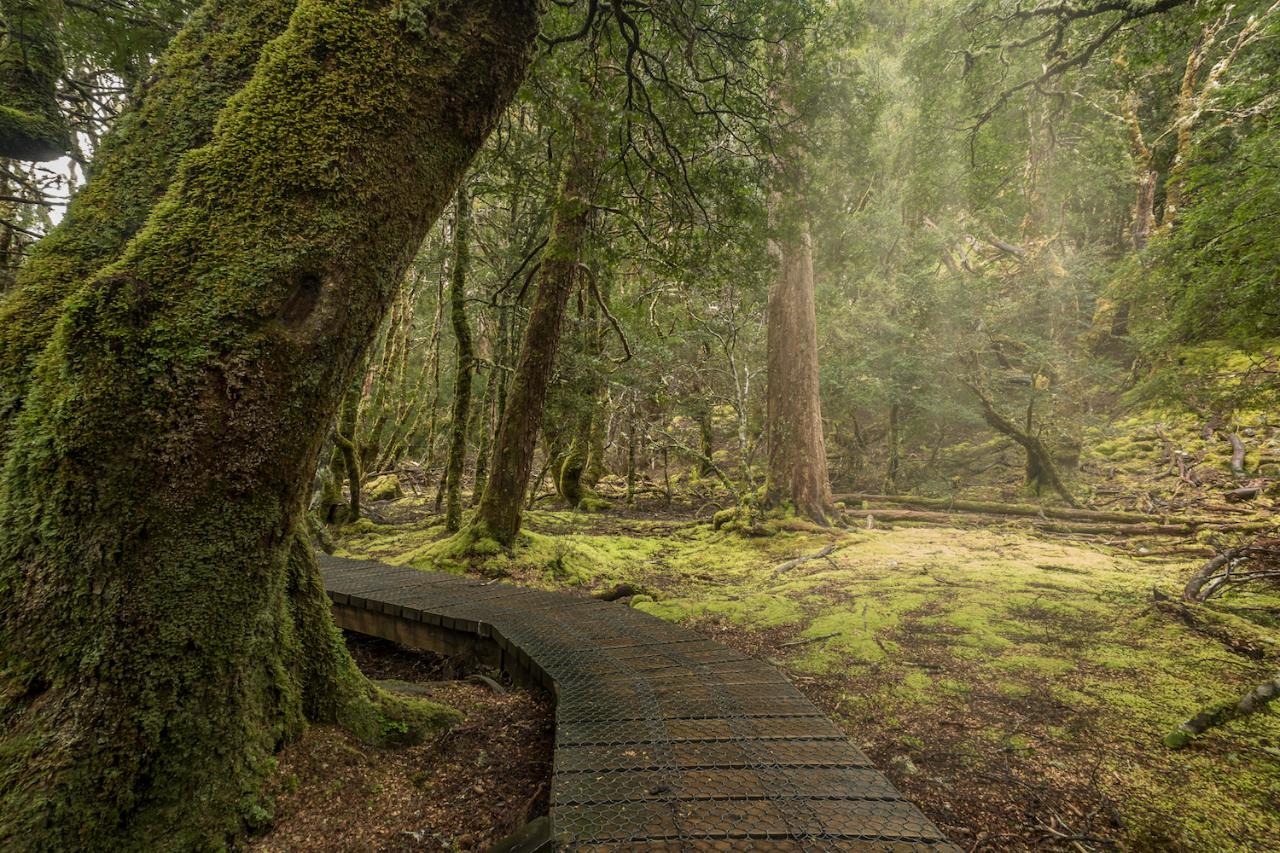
(1224, 569)
(1237, 454)
(1255, 700)
(798, 561)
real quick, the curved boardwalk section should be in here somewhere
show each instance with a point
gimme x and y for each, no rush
(665, 741)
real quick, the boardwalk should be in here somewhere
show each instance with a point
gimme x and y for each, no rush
(665, 741)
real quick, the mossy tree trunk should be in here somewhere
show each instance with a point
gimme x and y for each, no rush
(207, 62)
(32, 126)
(162, 631)
(465, 361)
(1040, 468)
(501, 507)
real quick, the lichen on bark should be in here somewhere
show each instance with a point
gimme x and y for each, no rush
(156, 618)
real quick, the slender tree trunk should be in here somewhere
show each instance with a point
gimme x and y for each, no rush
(344, 436)
(706, 442)
(32, 126)
(797, 472)
(1039, 459)
(895, 442)
(494, 391)
(465, 361)
(162, 630)
(501, 507)
(434, 420)
(631, 456)
(583, 393)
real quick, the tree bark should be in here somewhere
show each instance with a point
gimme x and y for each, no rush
(797, 471)
(493, 404)
(465, 361)
(32, 126)
(162, 631)
(501, 507)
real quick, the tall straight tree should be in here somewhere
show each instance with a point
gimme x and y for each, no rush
(465, 360)
(161, 634)
(797, 471)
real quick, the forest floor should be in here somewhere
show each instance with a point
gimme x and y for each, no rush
(1016, 684)
(462, 790)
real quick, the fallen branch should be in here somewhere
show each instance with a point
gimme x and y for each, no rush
(825, 552)
(1237, 454)
(1221, 569)
(1255, 700)
(807, 640)
(1247, 493)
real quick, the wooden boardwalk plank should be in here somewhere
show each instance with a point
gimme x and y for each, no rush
(665, 741)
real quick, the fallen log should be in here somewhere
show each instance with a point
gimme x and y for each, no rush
(1187, 524)
(1247, 493)
(1051, 525)
(1001, 508)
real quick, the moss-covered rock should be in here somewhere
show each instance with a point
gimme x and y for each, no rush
(384, 488)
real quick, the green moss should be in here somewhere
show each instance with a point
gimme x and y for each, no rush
(1038, 664)
(591, 502)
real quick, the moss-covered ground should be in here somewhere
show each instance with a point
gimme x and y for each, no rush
(1016, 685)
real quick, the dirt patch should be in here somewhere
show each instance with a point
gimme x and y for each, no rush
(463, 790)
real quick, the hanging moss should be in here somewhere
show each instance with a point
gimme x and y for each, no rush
(155, 649)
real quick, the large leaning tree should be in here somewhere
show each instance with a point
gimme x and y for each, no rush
(162, 630)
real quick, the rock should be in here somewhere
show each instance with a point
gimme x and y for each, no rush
(384, 488)
(904, 765)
